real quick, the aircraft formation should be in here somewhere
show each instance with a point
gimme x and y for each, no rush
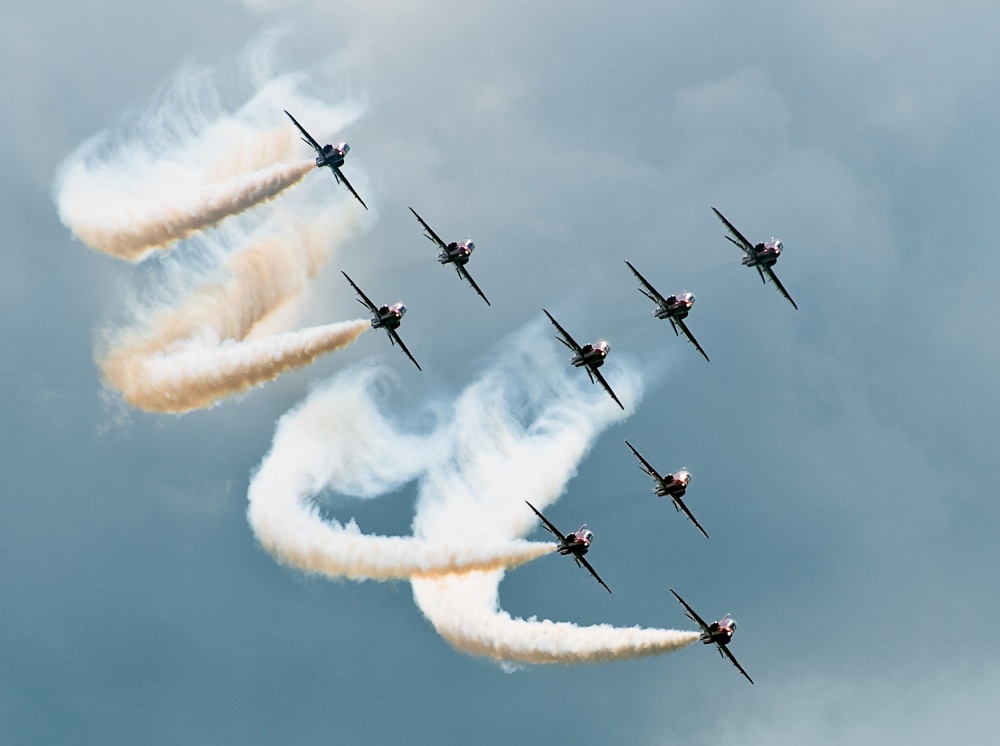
(761, 256)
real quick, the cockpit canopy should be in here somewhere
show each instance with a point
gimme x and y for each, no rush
(468, 244)
(603, 346)
(343, 147)
(399, 309)
(683, 476)
(586, 535)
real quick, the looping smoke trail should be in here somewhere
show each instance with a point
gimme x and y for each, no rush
(185, 167)
(339, 440)
(516, 433)
(136, 227)
(193, 354)
(177, 382)
(188, 167)
(465, 610)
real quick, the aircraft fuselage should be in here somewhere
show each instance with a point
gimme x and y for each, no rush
(720, 632)
(765, 254)
(593, 355)
(332, 155)
(676, 307)
(577, 543)
(673, 486)
(389, 317)
(457, 253)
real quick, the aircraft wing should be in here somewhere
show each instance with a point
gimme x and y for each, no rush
(363, 299)
(781, 288)
(732, 658)
(646, 466)
(547, 525)
(340, 177)
(566, 339)
(430, 233)
(306, 137)
(593, 572)
(740, 240)
(396, 340)
(652, 292)
(600, 379)
(690, 336)
(682, 506)
(691, 614)
(464, 273)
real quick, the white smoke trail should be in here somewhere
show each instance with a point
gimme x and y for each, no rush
(465, 610)
(180, 381)
(339, 440)
(475, 467)
(188, 166)
(195, 352)
(129, 226)
(185, 165)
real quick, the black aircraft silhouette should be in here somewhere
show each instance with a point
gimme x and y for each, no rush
(576, 543)
(761, 256)
(385, 317)
(674, 308)
(672, 485)
(590, 356)
(456, 252)
(720, 632)
(329, 155)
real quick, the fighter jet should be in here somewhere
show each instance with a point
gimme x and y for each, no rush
(329, 155)
(590, 356)
(576, 543)
(456, 252)
(674, 308)
(386, 317)
(720, 632)
(761, 256)
(672, 485)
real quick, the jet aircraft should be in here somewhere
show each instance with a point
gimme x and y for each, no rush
(761, 256)
(590, 355)
(576, 543)
(456, 252)
(672, 485)
(329, 155)
(674, 308)
(386, 317)
(720, 632)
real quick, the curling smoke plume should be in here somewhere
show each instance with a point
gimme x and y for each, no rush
(129, 226)
(191, 354)
(188, 166)
(180, 168)
(517, 433)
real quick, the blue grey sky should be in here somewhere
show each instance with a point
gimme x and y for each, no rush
(841, 454)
